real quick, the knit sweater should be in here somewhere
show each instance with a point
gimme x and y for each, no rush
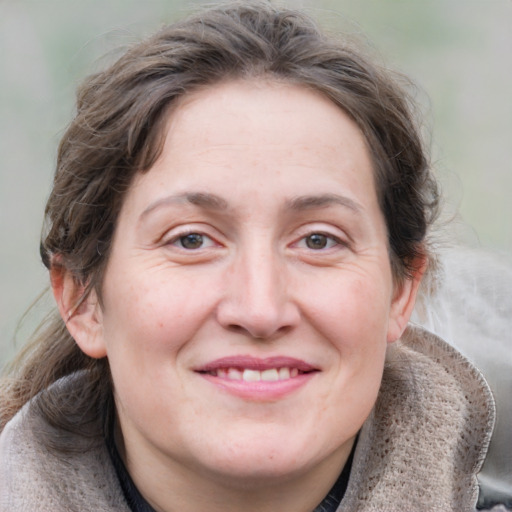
(419, 450)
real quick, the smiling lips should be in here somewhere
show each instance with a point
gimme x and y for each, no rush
(248, 369)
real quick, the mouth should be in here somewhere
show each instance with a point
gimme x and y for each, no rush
(260, 375)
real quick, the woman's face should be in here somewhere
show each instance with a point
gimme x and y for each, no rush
(248, 300)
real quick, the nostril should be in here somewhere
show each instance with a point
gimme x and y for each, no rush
(263, 319)
(258, 334)
(235, 328)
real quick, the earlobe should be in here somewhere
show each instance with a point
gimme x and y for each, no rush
(403, 302)
(82, 315)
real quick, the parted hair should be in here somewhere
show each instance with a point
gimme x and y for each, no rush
(118, 129)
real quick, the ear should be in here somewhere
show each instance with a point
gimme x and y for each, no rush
(404, 300)
(82, 315)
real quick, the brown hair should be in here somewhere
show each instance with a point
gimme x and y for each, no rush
(117, 132)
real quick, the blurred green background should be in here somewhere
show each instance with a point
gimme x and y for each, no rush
(459, 52)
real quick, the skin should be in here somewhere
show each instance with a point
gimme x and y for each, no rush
(293, 262)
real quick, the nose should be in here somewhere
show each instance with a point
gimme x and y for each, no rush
(257, 297)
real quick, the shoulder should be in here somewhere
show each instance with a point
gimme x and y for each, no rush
(36, 476)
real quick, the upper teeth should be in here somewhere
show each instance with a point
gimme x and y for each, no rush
(272, 374)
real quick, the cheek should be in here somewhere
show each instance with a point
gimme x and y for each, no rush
(353, 311)
(147, 323)
(155, 313)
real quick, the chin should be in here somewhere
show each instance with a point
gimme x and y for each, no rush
(262, 461)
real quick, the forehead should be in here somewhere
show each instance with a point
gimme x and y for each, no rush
(234, 111)
(264, 135)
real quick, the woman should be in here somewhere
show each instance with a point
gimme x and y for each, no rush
(235, 239)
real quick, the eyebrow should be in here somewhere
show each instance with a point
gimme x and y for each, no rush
(322, 201)
(201, 199)
(216, 203)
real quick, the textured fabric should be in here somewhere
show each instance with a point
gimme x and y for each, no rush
(419, 450)
(472, 310)
(428, 433)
